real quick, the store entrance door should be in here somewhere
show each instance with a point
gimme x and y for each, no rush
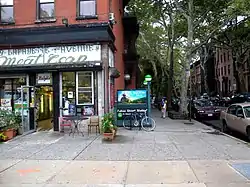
(44, 113)
(24, 106)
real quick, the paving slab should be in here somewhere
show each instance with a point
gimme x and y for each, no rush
(167, 185)
(201, 151)
(228, 185)
(60, 151)
(215, 172)
(160, 172)
(84, 185)
(142, 151)
(163, 151)
(22, 151)
(32, 172)
(92, 172)
(21, 185)
(5, 164)
(103, 152)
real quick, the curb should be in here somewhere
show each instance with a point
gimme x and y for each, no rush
(232, 137)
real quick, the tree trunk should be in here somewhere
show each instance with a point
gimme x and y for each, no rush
(186, 69)
(171, 60)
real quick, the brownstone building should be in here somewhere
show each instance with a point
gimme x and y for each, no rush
(58, 53)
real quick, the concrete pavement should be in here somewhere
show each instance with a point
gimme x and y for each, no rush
(174, 155)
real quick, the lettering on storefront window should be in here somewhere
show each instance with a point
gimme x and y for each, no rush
(50, 55)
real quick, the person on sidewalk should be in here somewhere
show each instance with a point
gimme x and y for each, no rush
(164, 109)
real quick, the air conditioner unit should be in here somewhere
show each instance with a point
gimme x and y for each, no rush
(111, 17)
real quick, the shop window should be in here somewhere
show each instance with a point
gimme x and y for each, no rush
(86, 8)
(69, 86)
(46, 9)
(10, 93)
(7, 11)
(85, 88)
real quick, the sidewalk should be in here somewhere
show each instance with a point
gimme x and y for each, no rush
(175, 154)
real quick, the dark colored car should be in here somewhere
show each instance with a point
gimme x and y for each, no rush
(204, 109)
(240, 98)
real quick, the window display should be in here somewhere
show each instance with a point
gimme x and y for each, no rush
(85, 88)
(77, 89)
(10, 93)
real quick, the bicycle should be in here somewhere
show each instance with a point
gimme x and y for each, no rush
(139, 120)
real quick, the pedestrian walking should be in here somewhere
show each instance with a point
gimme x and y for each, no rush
(164, 109)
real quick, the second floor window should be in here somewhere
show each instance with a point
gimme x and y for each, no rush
(7, 11)
(46, 9)
(87, 8)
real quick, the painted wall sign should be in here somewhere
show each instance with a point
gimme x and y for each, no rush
(50, 55)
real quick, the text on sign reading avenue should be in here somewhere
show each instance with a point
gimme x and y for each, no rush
(50, 55)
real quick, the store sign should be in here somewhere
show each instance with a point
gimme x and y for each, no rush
(74, 54)
(122, 113)
(44, 78)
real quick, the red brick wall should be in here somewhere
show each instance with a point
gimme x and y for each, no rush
(119, 43)
(25, 13)
(25, 16)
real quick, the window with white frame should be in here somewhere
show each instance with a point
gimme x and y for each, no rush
(46, 9)
(7, 11)
(85, 88)
(86, 8)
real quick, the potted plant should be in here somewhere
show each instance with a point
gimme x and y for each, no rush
(108, 127)
(9, 123)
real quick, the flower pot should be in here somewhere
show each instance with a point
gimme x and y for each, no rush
(108, 136)
(9, 133)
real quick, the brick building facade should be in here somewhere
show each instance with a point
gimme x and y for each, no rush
(225, 81)
(68, 50)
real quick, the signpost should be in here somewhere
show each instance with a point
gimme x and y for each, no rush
(148, 79)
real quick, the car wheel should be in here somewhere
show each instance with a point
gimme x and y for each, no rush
(248, 133)
(224, 127)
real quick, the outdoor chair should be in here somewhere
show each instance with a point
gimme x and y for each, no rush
(94, 122)
(63, 122)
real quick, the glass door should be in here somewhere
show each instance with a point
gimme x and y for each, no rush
(24, 104)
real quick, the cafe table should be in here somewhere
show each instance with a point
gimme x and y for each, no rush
(76, 121)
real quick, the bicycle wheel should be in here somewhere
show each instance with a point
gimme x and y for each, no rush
(128, 122)
(148, 124)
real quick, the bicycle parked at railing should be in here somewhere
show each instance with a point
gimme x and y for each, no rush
(139, 120)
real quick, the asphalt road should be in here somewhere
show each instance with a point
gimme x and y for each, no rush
(217, 125)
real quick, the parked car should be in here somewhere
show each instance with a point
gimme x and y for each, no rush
(237, 117)
(204, 109)
(240, 98)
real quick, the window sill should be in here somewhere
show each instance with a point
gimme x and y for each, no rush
(7, 23)
(86, 17)
(52, 20)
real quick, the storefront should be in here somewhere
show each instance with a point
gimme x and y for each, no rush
(46, 82)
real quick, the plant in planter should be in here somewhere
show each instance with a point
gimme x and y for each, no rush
(9, 123)
(108, 127)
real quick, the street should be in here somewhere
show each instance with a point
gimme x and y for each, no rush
(174, 155)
